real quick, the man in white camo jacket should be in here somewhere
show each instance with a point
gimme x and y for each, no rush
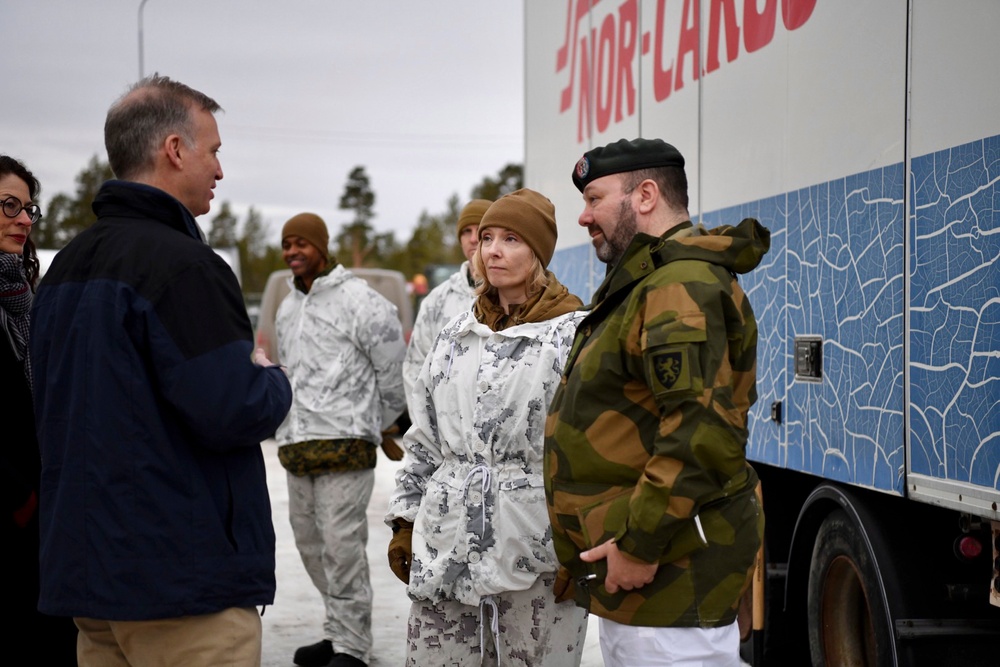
(343, 346)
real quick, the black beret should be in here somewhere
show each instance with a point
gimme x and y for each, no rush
(625, 155)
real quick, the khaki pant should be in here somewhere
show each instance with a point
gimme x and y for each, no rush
(228, 638)
(329, 516)
(527, 628)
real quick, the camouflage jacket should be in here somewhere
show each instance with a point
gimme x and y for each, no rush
(471, 481)
(343, 347)
(446, 301)
(646, 435)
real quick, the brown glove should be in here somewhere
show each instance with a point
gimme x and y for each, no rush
(391, 449)
(401, 549)
(563, 588)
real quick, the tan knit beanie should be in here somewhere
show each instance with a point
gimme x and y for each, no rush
(310, 227)
(472, 214)
(528, 214)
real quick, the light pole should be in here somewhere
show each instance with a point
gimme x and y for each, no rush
(142, 4)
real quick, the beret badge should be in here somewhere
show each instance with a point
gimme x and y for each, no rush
(582, 167)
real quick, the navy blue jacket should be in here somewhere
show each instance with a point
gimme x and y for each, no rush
(150, 414)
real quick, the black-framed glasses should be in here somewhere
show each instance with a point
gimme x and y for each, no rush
(12, 206)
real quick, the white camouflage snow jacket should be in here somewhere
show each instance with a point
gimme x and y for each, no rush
(472, 478)
(343, 348)
(446, 301)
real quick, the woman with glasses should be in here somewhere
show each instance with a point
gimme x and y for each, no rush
(53, 639)
(471, 530)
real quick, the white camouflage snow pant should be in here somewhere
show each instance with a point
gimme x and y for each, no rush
(329, 518)
(532, 630)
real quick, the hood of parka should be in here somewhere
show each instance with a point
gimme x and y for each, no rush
(738, 249)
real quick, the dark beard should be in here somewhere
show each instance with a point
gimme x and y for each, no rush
(614, 246)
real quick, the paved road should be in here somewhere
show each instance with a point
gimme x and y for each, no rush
(296, 617)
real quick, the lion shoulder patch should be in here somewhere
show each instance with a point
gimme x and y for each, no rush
(670, 370)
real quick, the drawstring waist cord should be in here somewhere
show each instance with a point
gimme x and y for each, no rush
(485, 478)
(488, 601)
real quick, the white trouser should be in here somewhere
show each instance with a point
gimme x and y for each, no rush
(641, 646)
(329, 518)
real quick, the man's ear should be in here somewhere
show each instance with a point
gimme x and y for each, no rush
(172, 146)
(647, 196)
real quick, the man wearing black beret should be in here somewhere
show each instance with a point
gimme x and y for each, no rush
(654, 514)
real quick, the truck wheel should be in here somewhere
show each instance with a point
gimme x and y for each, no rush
(848, 621)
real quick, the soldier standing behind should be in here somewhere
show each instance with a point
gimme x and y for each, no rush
(343, 345)
(450, 298)
(651, 500)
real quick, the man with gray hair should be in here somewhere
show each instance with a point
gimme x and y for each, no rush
(156, 531)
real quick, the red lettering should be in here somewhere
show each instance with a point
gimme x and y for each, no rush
(719, 9)
(567, 52)
(605, 66)
(688, 43)
(663, 78)
(604, 61)
(562, 55)
(628, 32)
(795, 13)
(758, 27)
(584, 120)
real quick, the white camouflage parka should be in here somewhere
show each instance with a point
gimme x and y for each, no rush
(443, 304)
(471, 482)
(342, 344)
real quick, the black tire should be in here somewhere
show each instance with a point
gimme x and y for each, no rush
(847, 607)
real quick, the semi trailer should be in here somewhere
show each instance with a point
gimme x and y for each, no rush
(866, 137)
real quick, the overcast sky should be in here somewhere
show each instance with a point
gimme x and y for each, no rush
(427, 95)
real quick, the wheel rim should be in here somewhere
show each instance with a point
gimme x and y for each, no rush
(846, 619)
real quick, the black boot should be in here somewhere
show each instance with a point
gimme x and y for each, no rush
(345, 660)
(314, 655)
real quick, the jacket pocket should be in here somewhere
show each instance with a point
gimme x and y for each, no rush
(571, 500)
(719, 521)
(607, 519)
(671, 354)
(604, 519)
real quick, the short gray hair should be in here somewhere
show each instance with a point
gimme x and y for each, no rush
(149, 111)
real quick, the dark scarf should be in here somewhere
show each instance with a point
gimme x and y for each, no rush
(15, 307)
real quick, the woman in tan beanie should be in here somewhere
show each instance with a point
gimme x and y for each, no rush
(517, 237)
(471, 529)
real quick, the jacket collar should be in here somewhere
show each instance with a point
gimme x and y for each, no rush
(137, 200)
(466, 271)
(636, 263)
(300, 284)
(324, 282)
(737, 249)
